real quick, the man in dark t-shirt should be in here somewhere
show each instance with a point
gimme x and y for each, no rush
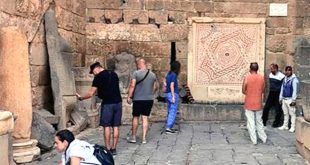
(106, 83)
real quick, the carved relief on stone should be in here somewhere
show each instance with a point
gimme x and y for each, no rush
(221, 51)
(124, 65)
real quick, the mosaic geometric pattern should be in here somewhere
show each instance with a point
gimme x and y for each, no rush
(223, 52)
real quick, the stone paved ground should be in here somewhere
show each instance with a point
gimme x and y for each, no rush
(199, 143)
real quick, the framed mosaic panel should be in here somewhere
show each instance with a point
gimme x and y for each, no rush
(220, 52)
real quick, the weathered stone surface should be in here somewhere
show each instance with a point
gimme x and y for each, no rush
(70, 21)
(39, 75)
(42, 131)
(305, 98)
(14, 96)
(277, 22)
(234, 8)
(282, 30)
(4, 154)
(154, 5)
(133, 5)
(75, 40)
(299, 130)
(203, 7)
(174, 32)
(302, 55)
(144, 49)
(276, 43)
(38, 54)
(6, 122)
(306, 135)
(82, 74)
(90, 59)
(144, 33)
(40, 35)
(161, 64)
(303, 72)
(8, 6)
(123, 32)
(29, 8)
(281, 59)
(25, 151)
(106, 4)
(48, 117)
(61, 74)
(181, 49)
(41, 96)
(125, 65)
(216, 112)
(135, 16)
(95, 15)
(99, 47)
(185, 6)
(158, 17)
(113, 16)
(74, 6)
(177, 17)
(77, 59)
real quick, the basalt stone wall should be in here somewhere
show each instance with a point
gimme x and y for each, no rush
(146, 28)
(27, 15)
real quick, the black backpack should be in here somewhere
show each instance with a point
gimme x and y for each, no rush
(103, 155)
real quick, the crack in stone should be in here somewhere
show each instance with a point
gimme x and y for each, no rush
(190, 146)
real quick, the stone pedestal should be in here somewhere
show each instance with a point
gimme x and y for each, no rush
(302, 137)
(305, 98)
(27, 151)
(6, 127)
(15, 93)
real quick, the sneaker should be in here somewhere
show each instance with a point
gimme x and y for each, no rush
(292, 129)
(113, 151)
(283, 127)
(175, 130)
(144, 141)
(170, 131)
(130, 139)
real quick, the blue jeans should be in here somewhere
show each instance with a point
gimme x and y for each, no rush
(172, 109)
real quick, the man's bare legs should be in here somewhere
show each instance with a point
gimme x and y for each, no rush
(145, 124)
(135, 123)
(107, 136)
(115, 136)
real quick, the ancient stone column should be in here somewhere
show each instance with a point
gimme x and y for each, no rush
(6, 127)
(15, 93)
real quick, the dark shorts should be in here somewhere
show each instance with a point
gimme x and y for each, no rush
(111, 115)
(142, 107)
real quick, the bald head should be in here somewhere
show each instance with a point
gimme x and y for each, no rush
(141, 63)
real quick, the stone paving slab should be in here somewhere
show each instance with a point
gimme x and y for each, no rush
(210, 143)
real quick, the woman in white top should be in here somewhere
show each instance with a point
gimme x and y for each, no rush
(75, 152)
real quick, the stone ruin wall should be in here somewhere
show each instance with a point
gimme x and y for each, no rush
(146, 28)
(27, 15)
